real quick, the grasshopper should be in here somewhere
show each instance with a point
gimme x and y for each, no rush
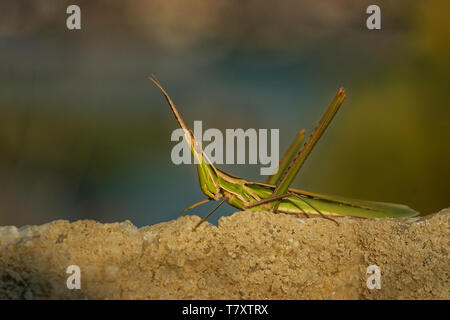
(275, 195)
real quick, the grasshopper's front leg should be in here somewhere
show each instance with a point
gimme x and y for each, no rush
(196, 204)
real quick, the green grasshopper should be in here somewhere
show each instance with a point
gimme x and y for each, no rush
(275, 195)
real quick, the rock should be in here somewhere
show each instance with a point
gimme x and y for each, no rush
(248, 256)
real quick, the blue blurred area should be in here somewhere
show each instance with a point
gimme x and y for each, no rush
(84, 134)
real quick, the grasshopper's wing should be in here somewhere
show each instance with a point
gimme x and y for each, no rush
(308, 202)
(337, 205)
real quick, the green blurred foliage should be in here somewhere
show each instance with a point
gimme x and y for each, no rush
(392, 141)
(78, 118)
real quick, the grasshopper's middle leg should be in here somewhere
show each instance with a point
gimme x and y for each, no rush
(271, 199)
(275, 209)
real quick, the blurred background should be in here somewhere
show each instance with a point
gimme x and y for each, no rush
(85, 135)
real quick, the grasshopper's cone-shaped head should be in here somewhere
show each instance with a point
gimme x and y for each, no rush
(206, 170)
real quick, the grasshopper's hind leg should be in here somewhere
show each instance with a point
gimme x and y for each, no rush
(314, 208)
(286, 195)
(287, 157)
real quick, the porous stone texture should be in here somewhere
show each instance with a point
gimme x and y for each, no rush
(248, 256)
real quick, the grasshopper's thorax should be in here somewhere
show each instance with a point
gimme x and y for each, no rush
(208, 180)
(236, 190)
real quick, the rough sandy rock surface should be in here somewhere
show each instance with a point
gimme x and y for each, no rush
(248, 256)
